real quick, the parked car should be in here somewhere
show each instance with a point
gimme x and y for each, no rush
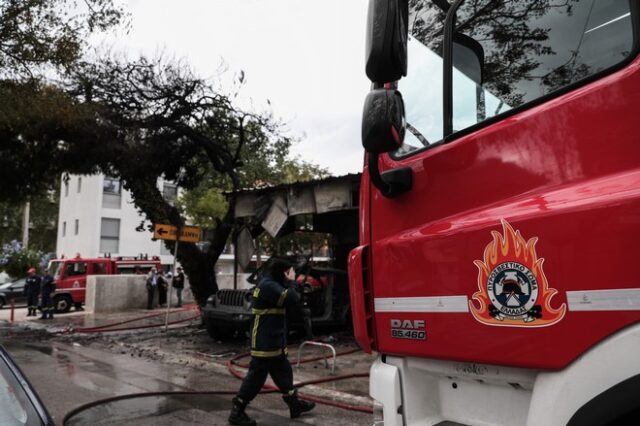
(324, 292)
(13, 291)
(19, 402)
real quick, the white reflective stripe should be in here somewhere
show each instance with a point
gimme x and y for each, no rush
(422, 304)
(625, 299)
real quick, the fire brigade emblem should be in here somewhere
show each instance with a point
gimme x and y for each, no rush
(512, 288)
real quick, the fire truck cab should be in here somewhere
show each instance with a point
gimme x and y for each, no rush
(499, 211)
(70, 275)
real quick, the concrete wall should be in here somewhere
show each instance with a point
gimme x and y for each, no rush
(117, 293)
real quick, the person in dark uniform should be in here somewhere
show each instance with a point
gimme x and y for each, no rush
(32, 291)
(48, 287)
(163, 285)
(178, 284)
(272, 301)
(152, 284)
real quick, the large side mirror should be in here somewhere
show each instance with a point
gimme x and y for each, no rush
(386, 41)
(468, 57)
(383, 124)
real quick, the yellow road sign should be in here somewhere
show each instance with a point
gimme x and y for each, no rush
(188, 234)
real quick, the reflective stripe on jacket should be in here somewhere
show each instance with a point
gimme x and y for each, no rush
(269, 306)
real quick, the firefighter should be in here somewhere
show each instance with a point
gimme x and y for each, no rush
(32, 291)
(272, 300)
(48, 287)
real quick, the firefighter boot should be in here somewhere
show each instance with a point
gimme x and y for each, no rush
(29, 312)
(297, 406)
(238, 416)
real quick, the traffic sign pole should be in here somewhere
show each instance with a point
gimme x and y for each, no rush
(173, 275)
(186, 234)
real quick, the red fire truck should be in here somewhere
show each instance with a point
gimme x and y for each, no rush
(500, 208)
(70, 275)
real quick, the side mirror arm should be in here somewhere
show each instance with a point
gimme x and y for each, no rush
(392, 182)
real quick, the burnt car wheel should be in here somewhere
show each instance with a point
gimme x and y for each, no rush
(217, 332)
(62, 303)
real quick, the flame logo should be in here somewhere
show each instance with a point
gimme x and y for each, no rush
(512, 288)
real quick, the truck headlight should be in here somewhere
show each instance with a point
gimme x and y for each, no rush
(378, 414)
(211, 300)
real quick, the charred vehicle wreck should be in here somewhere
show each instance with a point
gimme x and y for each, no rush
(294, 212)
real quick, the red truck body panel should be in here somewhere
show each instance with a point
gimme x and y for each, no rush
(555, 188)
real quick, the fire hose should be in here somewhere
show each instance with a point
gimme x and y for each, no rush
(231, 367)
(109, 327)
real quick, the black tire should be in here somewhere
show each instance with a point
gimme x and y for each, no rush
(218, 333)
(62, 303)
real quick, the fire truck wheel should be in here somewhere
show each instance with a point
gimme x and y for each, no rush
(62, 303)
(217, 332)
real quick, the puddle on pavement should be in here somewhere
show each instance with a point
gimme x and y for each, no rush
(148, 410)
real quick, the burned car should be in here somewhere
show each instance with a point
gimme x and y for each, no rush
(324, 292)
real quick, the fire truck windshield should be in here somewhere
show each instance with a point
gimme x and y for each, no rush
(55, 269)
(530, 48)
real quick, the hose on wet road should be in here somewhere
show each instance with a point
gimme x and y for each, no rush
(233, 362)
(110, 327)
(232, 365)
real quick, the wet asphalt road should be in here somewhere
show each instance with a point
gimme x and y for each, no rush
(67, 375)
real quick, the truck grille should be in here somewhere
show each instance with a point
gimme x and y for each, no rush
(231, 297)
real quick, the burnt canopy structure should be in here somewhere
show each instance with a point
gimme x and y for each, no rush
(329, 206)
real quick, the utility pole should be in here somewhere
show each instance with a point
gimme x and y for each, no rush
(25, 225)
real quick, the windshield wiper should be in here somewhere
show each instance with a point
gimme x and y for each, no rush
(417, 134)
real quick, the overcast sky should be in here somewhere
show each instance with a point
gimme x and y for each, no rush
(305, 56)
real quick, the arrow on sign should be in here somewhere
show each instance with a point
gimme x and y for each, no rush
(165, 232)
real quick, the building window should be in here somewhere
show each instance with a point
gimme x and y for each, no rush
(79, 184)
(77, 227)
(111, 185)
(111, 192)
(169, 192)
(66, 188)
(109, 235)
(64, 229)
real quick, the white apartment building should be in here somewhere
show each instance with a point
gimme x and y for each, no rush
(98, 217)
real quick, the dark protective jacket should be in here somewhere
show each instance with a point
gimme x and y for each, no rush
(48, 286)
(178, 280)
(270, 305)
(32, 286)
